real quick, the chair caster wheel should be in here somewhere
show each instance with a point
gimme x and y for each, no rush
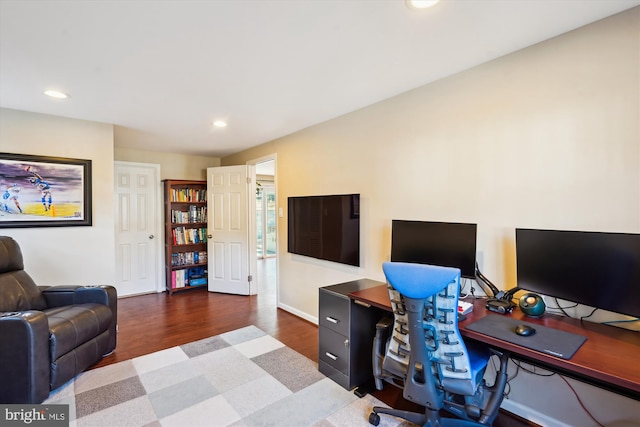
(374, 419)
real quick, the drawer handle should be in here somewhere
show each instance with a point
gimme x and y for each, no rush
(331, 356)
(364, 304)
(332, 320)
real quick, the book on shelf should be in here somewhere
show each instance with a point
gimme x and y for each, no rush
(194, 215)
(188, 195)
(179, 279)
(188, 258)
(189, 236)
(196, 276)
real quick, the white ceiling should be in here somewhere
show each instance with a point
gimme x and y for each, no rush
(162, 71)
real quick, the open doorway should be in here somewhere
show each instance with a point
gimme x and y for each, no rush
(266, 230)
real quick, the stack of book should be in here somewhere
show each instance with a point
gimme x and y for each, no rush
(189, 277)
(197, 276)
(194, 214)
(179, 279)
(188, 195)
(189, 236)
(188, 258)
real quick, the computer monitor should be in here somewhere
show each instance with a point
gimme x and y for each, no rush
(437, 243)
(593, 268)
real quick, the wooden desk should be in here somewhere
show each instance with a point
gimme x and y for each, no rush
(610, 358)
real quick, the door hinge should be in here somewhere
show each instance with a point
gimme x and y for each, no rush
(248, 180)
(250, 278)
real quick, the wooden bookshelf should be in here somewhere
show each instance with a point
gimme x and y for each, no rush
(185, 240)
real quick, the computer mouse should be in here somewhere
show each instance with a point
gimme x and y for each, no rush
(525, 330)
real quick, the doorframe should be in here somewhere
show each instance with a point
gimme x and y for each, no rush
(159, 228)
(274, 157)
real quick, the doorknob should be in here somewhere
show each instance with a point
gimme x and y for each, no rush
(151, 236)
(209, 236)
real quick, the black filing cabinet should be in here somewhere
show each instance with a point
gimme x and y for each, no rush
(346, 330)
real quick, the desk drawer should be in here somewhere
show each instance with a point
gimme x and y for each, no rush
(334, 349)
(334, 312)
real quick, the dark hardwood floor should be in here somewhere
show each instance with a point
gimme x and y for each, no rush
(149, 323)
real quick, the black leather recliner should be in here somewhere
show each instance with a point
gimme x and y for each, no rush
(48, 334)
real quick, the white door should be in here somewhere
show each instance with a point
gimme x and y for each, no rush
(231, 227)
(138, 237)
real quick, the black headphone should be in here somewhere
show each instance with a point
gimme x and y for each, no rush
(532, 305)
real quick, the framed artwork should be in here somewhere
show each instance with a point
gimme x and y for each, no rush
(38, 191)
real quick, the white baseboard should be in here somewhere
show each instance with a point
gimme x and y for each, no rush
(531, 414)
(298, 313)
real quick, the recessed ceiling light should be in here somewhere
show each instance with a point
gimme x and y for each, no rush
(420, 4)
(220, 124)
(56, 94)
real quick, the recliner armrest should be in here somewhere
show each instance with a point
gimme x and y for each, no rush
(58, 296)
(24, 357)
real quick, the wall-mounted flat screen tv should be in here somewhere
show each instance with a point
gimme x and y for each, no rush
(597, 269)
(325, 227)
(446, 244)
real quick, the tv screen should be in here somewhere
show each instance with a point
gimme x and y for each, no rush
(325, 227)
(593, 268)
(437, 243)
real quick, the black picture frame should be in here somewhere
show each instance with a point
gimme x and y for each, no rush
(42, 191)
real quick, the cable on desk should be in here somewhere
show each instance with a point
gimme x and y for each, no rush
(571, 306)
(589, 315)
(609, 322)
(561, 308)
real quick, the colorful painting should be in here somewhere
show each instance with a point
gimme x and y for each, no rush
(40, 191)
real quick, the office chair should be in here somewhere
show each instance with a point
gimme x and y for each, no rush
(426, 355)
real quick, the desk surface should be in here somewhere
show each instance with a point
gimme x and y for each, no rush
(610, 358)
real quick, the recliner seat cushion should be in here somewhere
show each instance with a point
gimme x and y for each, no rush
(71, 326)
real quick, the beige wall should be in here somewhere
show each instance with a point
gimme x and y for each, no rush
(66, 255)
(48, 251)
(172, 165)
(547, 137)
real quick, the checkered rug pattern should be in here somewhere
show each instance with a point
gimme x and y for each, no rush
(242, 378)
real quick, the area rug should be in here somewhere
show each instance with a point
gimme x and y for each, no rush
(242, 378)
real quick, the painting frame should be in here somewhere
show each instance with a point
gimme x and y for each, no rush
(44, 191)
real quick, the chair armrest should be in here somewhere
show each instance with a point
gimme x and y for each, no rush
(58, 296)
(383, 331)
(24, 357)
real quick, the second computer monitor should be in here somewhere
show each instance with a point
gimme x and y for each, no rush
(598, 269)
(437, 243)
